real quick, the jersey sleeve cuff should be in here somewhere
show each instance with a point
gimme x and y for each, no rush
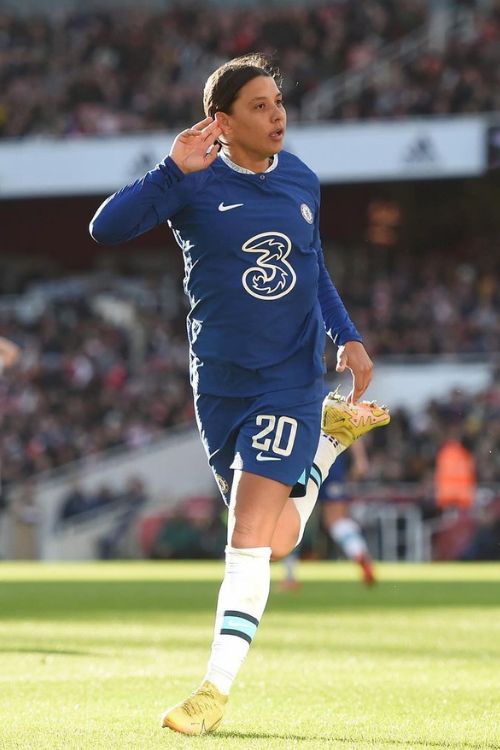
(170, 168)
(344, 336)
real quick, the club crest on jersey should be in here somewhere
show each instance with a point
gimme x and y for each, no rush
(306, 213)
(272, 277)
(223, 485)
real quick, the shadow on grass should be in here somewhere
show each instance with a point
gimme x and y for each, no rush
(267, 644)
(85, 599)
(428, 650)
(46, 651)
(379, 742)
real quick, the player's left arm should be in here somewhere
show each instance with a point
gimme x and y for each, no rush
(351, 353)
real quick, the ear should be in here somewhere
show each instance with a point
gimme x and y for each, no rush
(222, 120)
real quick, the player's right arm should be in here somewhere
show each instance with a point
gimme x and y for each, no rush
(156, 197)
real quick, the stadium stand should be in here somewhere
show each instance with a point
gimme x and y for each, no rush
(406, 306)
(193, 526)
(407, 452)
(86, 384)
(104, 370)
(83, 386)
(106, 72)
(448, 67)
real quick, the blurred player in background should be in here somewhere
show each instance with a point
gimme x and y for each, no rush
(247, 221)
(334, 498)
(9, 353)
(334, 503)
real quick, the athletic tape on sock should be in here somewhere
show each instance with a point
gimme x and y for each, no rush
(239, 624)
(315, 475)
(242, 599)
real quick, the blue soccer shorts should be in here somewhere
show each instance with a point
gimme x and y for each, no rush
(333, 489)
(274, 435)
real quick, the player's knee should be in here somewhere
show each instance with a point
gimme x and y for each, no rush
(282, 548)
(285, 538)
(247, 534)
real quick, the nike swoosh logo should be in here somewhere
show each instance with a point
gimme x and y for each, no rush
(260, 457)
(222, 207)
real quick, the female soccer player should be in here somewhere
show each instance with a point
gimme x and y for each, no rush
(246, 215)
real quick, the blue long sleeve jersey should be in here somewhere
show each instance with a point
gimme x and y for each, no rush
(260, 295)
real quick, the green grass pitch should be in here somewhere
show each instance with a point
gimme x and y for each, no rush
(91, 654)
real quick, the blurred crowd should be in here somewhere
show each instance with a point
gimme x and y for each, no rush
(81, 387)
(78, 503)
(193, 527)
(109, 71)
(446, 459)
(410, 303)
(462, 77)
(116, 508)
(125, 504)
(407, 451)
(406, 465)
(86, 384)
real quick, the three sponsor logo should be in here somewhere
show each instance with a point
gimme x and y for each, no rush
(272, 277)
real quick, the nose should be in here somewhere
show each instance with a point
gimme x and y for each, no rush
(277, 113)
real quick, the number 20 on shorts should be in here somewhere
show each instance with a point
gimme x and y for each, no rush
(277, 435)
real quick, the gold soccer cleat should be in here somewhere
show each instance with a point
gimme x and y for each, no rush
(347, 422)
(201, 713)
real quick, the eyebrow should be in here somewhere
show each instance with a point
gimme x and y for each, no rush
(257, 98)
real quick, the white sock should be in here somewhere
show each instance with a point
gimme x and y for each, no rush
(326, 453)
(242, 600)
(347, 533)
(328, 450)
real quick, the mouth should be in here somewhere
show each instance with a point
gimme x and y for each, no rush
(277, 134)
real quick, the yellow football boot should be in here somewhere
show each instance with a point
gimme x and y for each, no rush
(347, 422)
(201, 713)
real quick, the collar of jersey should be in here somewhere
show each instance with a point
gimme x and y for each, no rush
(243, 170)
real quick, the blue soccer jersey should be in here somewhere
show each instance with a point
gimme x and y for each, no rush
(260, 295)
